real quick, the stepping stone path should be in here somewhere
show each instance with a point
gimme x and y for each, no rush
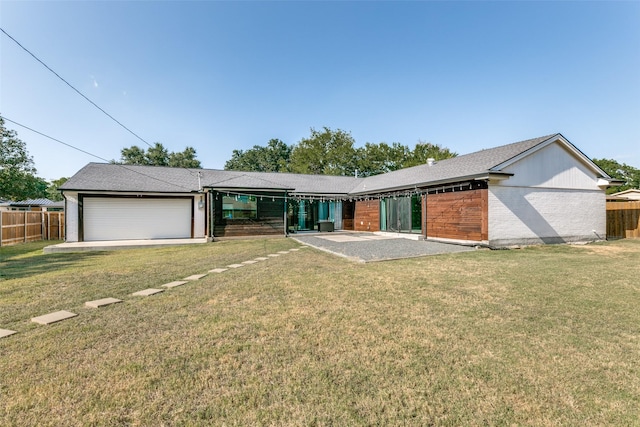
(58, 316)
(195, 277)
(6, 332)
(50, 318)
(147, 292)
(102, 302)
(174, 284)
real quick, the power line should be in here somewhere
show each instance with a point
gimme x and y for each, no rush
(96, 156)
(82, 95)
(72, 87)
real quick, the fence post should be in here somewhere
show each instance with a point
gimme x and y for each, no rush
(0, 228)
(25, 226)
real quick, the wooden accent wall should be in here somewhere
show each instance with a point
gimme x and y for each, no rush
(270, 219)
(461, 215)
(367, 215)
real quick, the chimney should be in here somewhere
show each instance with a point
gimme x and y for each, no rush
(431, 161)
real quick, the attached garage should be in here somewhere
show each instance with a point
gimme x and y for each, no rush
(136, 218)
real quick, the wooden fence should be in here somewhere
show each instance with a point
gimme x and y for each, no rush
(30, 226)
(623, 220)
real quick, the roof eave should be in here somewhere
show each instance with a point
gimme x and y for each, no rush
(476, 177)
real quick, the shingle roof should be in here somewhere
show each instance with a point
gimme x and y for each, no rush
(127, 178)
(456, 168)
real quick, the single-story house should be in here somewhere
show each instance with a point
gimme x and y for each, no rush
(630, 195)
(542, 190)
(42, 204)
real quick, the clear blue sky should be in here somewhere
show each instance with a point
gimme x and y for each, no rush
(220, 76)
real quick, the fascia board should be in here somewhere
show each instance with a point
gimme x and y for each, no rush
(482, 176)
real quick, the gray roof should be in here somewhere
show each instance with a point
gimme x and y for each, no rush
(35, 202)
(458, 168)
(127, 178)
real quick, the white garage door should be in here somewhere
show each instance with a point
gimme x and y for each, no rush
(112, 218)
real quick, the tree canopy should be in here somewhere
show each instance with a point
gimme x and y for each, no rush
(333, 152)
(18, 180)
(274, 157)
(158, 155)
(325, 152)
(624, 172)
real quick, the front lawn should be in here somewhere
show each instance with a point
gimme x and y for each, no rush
(545, 335)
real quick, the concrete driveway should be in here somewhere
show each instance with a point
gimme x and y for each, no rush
(367, 247)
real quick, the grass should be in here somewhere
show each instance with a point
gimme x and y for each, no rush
(545, 335)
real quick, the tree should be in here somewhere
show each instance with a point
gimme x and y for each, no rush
(325, 152)
(426, 150)
(158, 155)
(18, 180)
(52, 189)
(624, 172)
(185, 159)
(374, 159)
(274, 157)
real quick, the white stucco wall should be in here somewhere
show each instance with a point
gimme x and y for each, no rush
(71, 216)
(552, 197)
(199, 219)
(521, 215)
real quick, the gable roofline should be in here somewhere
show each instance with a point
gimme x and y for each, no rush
(558, 137)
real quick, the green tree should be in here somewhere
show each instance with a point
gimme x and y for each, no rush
(274, 157)
(184, 159)
(18, 180)
(52, 189)
(426, 150)
(374, 159)
(325, 152)
(158, 155)
(624, 172)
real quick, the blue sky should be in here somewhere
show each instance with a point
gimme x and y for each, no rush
(220, 76)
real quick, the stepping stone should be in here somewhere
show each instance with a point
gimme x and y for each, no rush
(294, 250)
(249, 262)
(147, 292)
(218, 270)
(273, 255)
(195, 277)
(53, 317)
(283, 252)
(174, 284)
(6, 332)
(261, 258)
(235, 265)
(102, 302)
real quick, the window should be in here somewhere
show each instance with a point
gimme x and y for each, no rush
(239, 207)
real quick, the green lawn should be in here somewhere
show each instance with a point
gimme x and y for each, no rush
(545, 335)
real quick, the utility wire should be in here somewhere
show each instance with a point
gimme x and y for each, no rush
(127, 167)
(79, 93)
(72, 87)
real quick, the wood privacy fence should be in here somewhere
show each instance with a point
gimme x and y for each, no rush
(30, 226)
(623, 220)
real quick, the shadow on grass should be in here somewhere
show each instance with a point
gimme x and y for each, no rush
(28, 260)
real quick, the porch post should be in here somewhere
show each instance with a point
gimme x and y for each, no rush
(286, 228)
